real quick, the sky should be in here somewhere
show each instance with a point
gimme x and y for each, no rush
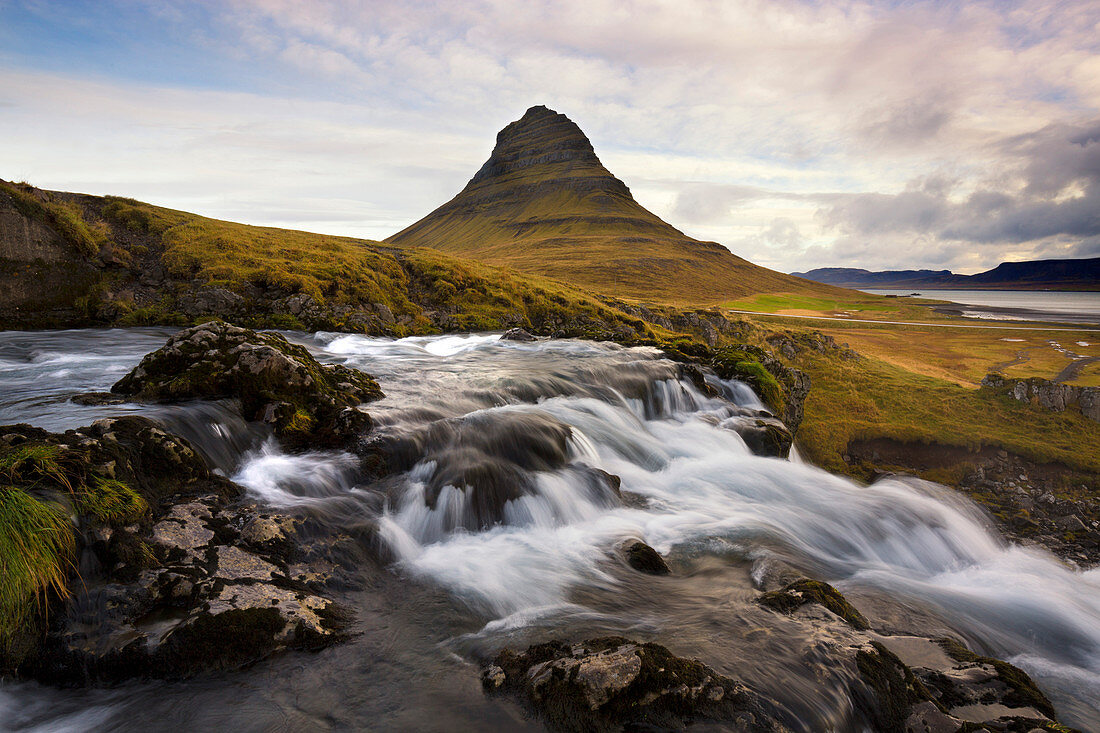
(882, 135)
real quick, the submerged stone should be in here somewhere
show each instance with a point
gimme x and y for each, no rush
(645, 559)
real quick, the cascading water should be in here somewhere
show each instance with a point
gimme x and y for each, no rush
(501, 523)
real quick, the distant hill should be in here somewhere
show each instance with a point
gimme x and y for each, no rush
(544, 204)
(1081, 274)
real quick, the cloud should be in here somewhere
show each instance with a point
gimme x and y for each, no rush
(1057, 195)
(933, 133)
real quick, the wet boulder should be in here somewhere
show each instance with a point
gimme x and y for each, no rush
(279, 383)
(763, 434)
(517, 334)
(803, 591)
(645, 559)
(474, 468)
(613, 683)
(904, 682)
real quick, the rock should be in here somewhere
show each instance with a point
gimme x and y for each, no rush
(517, 334)
(384, 313)
(306, 403)
(645, 559)
(94, 399)
(210, 302)
(764, 436)
(169, 586)
(925, 717)
(612, 683)
(1049, 395)
(804, 591)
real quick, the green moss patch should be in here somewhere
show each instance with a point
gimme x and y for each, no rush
(112, 501)
(804, 591)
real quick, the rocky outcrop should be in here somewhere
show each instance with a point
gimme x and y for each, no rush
(217, 589)
(516, 334)
(613, 683)
(764, 434)
(911, 683)
(279, 383)
(797, 594)
(176, 574)
(1047, 394)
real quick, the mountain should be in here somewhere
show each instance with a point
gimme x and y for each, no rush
(544, 204)
(1080, 274)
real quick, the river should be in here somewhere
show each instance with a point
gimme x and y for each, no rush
(434, 590)
(1054, 306)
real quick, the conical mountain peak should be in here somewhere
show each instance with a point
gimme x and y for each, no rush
(544, 204)
(547, 141)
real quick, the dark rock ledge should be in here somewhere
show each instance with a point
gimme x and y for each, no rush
(904, 683)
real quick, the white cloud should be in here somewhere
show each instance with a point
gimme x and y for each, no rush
(724, 117)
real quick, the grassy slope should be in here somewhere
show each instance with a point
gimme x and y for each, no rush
(426, 290)
(870, 398)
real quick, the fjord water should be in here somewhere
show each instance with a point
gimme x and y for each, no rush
(441, 578)
(1016, 305)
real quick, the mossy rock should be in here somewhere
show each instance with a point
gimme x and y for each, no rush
(896, 689)
(1022, 690)
(645, 559)
(306, 402)
(804, 591)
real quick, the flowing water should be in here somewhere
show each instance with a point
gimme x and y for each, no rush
(443, 575)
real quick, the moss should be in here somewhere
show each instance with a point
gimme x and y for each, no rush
(895, 687)
(1023, 691)
(111, 501)
(731, 363)
(222, 641)
(300, 422)
(804, 591)
(37, 545)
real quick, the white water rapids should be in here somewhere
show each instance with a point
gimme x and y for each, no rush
(689, 487)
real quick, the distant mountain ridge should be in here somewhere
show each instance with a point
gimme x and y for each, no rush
(544, 204)
(1067, 274)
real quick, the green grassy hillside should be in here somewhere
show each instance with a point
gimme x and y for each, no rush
(544, 204)
(113, 261)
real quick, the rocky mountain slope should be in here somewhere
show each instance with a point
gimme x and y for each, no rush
(544, 204)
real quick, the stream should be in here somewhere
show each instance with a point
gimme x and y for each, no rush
(441, 578)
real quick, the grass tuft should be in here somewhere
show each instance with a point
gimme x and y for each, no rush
(37, 545)
(112, 501)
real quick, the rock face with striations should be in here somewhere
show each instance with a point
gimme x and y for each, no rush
(544, 204)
